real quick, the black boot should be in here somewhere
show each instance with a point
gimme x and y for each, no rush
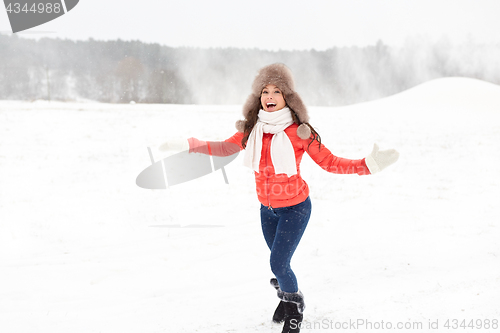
(279, 313)
(293, 318)
(294, 307)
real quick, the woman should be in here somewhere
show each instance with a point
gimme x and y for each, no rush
(275, 135)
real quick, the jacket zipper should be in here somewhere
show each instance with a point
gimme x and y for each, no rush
(267, 178)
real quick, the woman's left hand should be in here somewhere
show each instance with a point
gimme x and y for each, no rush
(380, 159)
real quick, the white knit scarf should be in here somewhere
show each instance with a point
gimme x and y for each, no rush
(282, 153)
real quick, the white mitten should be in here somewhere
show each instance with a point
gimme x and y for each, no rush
(174, 144)
(378, 160)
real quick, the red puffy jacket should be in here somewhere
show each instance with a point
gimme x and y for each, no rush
(279, 190)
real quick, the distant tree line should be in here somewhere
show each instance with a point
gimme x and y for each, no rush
(124, 71)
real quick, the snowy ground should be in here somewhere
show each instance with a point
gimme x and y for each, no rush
(83, 249)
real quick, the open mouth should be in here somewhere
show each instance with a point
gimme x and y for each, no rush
(270, 106)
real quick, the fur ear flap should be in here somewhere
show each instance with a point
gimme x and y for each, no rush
(252, 103)
(303, 131)
(240, 126)
(295, 103)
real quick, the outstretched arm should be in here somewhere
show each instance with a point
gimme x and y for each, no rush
(215, 148)
(334, 164)
(375, 162)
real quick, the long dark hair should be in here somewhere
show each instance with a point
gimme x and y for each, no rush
(251, 120)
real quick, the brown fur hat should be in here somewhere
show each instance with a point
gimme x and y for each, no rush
(281, 76)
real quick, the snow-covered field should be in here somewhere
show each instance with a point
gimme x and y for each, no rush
(83, 249)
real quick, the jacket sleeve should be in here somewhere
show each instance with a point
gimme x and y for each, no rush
(217, 148)
(331, 163)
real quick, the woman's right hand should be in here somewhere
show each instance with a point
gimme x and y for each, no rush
(174, 144)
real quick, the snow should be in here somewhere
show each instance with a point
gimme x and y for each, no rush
(83, 249)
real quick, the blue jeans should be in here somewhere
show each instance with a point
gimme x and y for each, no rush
(283, 228)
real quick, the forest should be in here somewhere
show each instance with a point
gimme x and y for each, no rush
(120, 71)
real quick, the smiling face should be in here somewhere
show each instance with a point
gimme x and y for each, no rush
(272, 99)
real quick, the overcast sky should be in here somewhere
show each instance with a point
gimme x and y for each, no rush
(274, 24)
